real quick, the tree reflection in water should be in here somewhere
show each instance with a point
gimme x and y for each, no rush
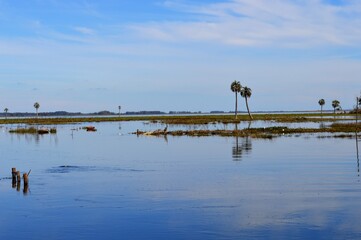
(358, 102)
(242, 146)
(357, 154)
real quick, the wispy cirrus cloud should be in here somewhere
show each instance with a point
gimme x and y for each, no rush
(85, 30)
(262, 23)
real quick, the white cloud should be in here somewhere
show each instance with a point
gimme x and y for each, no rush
(263, 23)
(85, 30)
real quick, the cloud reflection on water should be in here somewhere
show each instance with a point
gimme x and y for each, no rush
(290, 186)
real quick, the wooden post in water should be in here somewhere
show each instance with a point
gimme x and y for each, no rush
(18, 177)
(25, 190)
(26, 179)
(26, 183)
(13, 177)
(13, 174)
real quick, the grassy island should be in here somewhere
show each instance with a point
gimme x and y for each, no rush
(347, 125)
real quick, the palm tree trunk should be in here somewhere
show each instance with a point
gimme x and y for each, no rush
(321, 110)
(357, 99)
(249, 114)
(236, 110)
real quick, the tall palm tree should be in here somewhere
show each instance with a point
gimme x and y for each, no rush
(321, 102)
(335, 104)
(246, 92)
(36, 106)
(236, 88)
(6, 112)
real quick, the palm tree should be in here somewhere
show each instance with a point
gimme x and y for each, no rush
(36, 106)
(335, 104)
(246, 92)
(321, 102)
(236, 88)
(6, 112)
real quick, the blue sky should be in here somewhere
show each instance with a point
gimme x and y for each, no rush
(178, 54)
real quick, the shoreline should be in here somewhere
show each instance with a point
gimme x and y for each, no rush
(186, 119)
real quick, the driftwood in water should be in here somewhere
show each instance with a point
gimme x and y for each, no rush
(90, 129)
(152, 133)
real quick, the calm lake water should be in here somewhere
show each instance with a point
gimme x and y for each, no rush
(113, 185)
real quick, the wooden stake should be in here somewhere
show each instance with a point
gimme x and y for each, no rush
(26, 179)
(25, 189)
(13, 174)
(18, 176)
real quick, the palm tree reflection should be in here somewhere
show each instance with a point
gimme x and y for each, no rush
(242, 147)
(358, 102)
(357, 155)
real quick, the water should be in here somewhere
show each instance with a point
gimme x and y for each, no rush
(113, 185)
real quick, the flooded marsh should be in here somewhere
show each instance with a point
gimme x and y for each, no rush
(112, 184)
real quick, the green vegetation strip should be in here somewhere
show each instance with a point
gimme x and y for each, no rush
(32, 130)
(269, 132)
(185, 120)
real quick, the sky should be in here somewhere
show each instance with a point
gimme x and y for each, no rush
(178, 55)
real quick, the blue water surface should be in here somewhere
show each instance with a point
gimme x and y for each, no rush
(111, 184)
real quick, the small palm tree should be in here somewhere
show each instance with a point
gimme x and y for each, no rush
(335, 104)
(321, 102)
(36, 106)
(236, 88)
(6, 112)
(246, 92)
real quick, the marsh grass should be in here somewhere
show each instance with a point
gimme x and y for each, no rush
(269, 132)
(185, 120)
(32, 130)
(350, 136)
(197, 120)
